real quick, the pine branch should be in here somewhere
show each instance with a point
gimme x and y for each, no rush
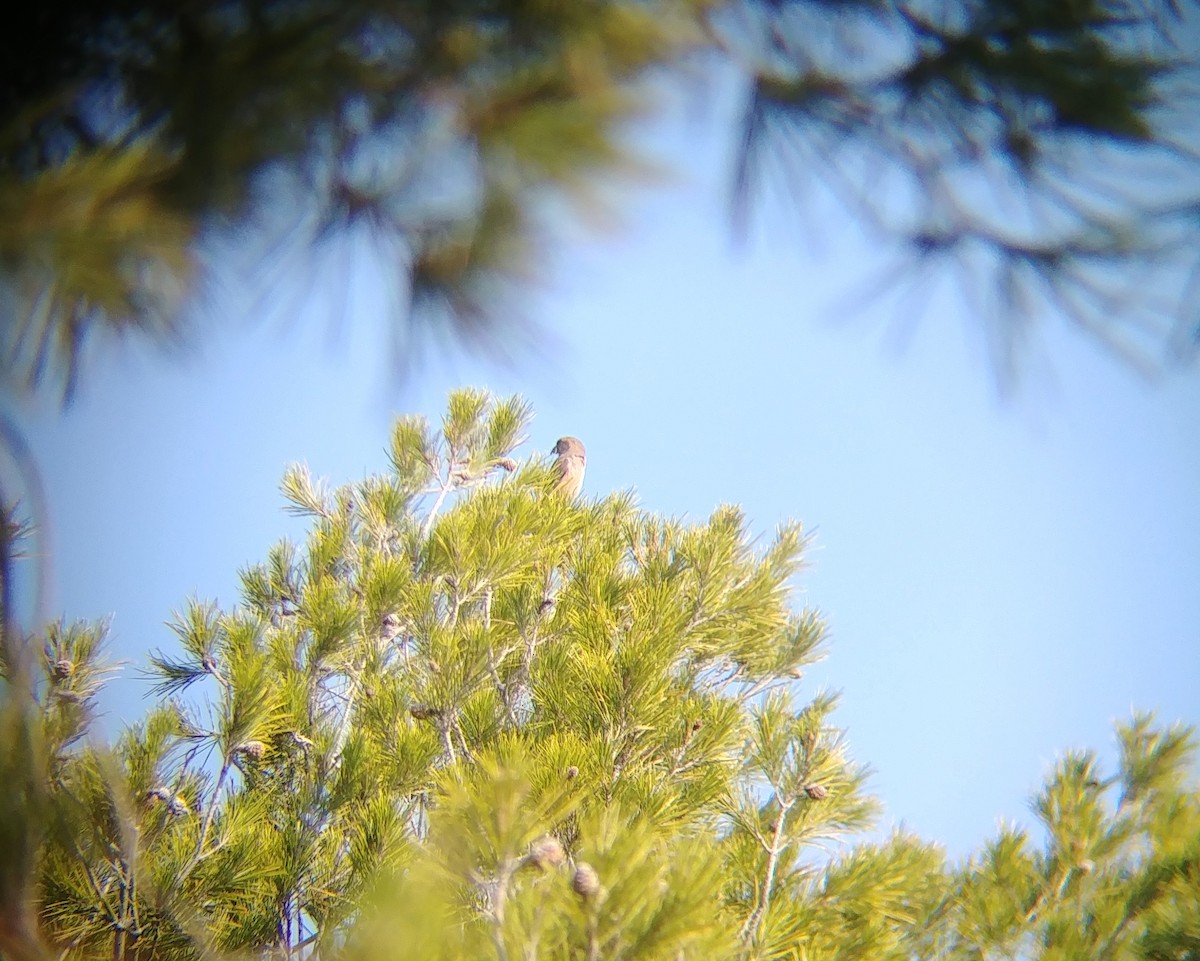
(343, 731)
(209, 814)
(774, 849)
(444, 488)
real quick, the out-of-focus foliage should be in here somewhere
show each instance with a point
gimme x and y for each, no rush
(134, 135)
(1045, 156)
(470, 719)
(1047, 145)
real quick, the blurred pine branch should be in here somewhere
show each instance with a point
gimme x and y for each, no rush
(1044, 153)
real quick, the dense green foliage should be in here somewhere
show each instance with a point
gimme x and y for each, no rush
(469, 718)
(1047, 147)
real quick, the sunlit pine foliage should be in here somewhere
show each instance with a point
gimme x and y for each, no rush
(468, 718)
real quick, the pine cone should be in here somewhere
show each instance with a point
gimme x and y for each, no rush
(507, 463)
(422, 712)
(585, 882)
(545, 853)
(572, 772)
(64, 667)
(389, 627)
(817, 792)
(176, 803)
(252, 749)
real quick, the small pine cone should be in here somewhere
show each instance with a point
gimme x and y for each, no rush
(1087, 865)
(422, 712)
(64, 667)
(585, 882)
(209, 663)
(818, 792)
(252, 749)
(572, 773)
(507, 463)
(696, 725)
(546, 608)
(545, 853)
(390, 626)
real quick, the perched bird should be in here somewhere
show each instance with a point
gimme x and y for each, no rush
(571, 463)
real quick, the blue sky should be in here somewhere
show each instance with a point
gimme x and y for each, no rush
(1004, 579)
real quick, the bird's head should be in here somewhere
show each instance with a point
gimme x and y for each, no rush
(569, 445)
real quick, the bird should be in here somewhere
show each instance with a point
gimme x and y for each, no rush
(569, 467)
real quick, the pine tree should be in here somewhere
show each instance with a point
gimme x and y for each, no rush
(472, 718)
(540, 710)
(1116, 877)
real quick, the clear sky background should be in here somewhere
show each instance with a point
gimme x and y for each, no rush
(1004, 579)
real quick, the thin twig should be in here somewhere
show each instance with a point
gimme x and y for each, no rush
(209, 815)
(750, 928)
